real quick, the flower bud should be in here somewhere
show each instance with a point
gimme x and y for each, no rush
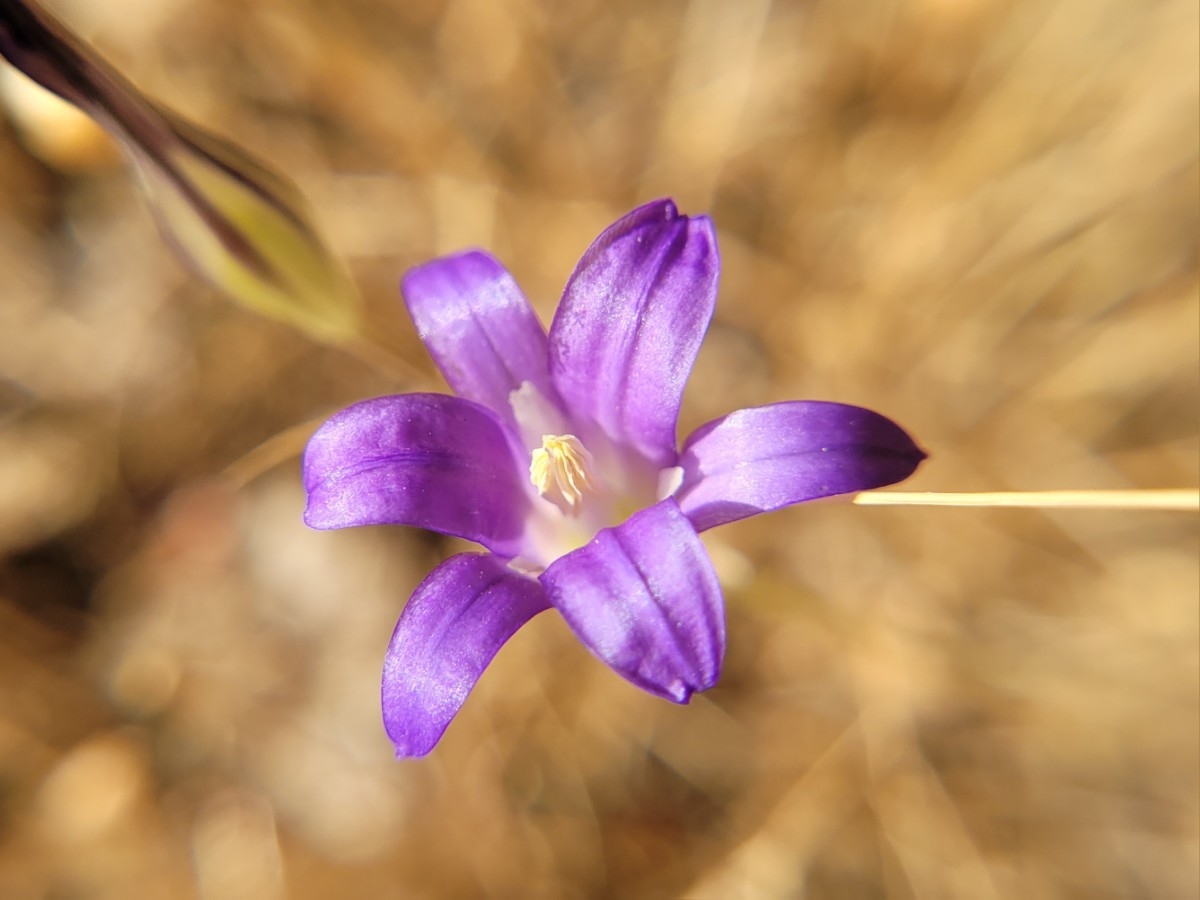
(238, 224)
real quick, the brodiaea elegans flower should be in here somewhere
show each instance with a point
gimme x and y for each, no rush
(558, 455)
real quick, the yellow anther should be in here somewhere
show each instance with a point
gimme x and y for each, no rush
(561, 470)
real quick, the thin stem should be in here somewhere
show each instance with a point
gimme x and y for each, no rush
(385, 362)
(274, 451)
(1177, 499)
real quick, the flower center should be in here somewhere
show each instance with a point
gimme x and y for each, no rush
(561, 470)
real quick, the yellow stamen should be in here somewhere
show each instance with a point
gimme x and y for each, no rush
(561, 470)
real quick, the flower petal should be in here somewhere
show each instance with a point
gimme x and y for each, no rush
(630, 324)
(428, 460)
(644, 598)
(456, 621)
(756, 460)
(479, 328)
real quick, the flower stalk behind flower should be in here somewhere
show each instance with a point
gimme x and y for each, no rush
(236, 223)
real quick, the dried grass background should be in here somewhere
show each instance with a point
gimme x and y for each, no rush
(979, 217)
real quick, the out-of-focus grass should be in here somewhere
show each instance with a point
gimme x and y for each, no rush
(979, 217)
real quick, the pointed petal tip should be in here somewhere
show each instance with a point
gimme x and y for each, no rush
(405, 756)
(662, 208)
(682, 693)
(313, 519)
(656, 214)
(412, 751)
(904, 448)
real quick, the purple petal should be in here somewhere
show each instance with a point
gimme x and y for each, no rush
(479, 328)
(630, 324)
(456, 621)
(427, 460)
(644, 598)
(756, 460)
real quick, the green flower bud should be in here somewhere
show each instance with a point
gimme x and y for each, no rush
(241, 226)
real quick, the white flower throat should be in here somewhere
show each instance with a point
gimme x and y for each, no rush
(562, 471)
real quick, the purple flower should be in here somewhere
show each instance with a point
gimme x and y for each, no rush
(558, 455)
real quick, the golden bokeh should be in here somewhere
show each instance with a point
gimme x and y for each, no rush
(979, 217)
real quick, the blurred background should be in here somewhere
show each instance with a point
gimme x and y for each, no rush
(979, 217)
